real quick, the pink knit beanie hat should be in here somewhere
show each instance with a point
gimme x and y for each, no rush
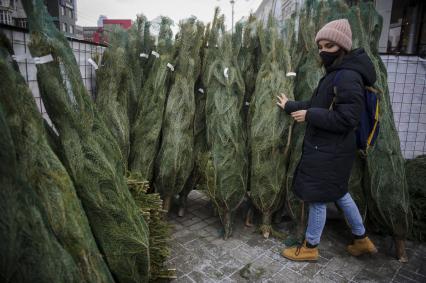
(338, 31)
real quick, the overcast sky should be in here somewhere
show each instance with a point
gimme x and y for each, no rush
(88, 11)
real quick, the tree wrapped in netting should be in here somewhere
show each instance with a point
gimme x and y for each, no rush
(415, 170)
(141, 43)
(146, 129)
(92, 157)
(45, 173)
(151, 207)
(115, 89)
(175, 160)
(269, 126)
(249, 58)
(196, 179)
(227, 166)
(30, 251)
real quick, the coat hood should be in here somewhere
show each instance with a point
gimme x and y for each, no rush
(358, 60)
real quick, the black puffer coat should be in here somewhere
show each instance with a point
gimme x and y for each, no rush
(329, 146)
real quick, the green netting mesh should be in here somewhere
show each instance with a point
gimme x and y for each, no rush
(93, 158)
(30, 251)
(175, 159)
(140, 42)
(196, 179)
(149, 118)
(46, 175)
(227, 167)
(416, 178)
(115, 90)
(249, 58)
(269, 126)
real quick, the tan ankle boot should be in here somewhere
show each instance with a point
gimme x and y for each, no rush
(301, 253)
(361, 246)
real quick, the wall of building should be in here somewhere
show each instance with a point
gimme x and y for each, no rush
(64, 12)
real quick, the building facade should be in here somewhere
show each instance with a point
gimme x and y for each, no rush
(12, 13)
(64, 13)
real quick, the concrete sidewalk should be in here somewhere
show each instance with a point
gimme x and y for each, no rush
(200, 254)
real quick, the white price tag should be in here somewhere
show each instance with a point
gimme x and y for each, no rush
(170, 66)
(43, 59)
(247, 103)
(156, 54)
(225, 72)
(201, 90)
(291, 74)
(93, 63)
(144, 55)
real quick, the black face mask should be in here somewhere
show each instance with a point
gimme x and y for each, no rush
(328, 57)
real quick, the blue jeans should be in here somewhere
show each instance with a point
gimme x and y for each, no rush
(317, 216)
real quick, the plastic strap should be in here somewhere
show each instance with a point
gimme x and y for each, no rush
(43, 60)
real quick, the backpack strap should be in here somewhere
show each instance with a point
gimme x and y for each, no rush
(335, 79)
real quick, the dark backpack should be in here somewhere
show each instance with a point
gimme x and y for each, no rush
(369, 125)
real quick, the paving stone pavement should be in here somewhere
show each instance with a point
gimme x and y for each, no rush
(201, 255)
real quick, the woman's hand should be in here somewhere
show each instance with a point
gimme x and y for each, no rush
(299, 116)
(282, 100)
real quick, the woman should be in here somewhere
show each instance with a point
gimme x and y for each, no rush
(329, 146)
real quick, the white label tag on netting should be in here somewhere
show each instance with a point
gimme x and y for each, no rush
(170, 66)
(201, 90)
(291, 74)
(144, 55)
(225, 72)
(93, 63)
(21, 57)
(156, 54)
(43, 59)
(247, 103)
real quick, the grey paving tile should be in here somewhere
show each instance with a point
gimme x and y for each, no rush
(200, 277)
(311, 269)
(347, 267)
(412, 275)
(402, 279)
(288, 275)
(231, 267)
(183, 279)
(328, 277)
(250, 273)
